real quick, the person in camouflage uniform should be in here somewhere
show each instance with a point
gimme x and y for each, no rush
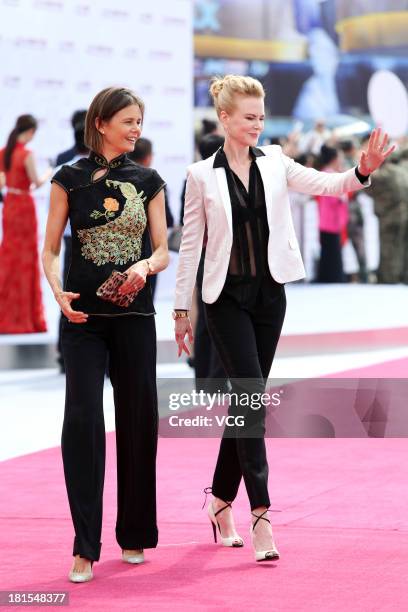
(389, 189)
(403, 164)
(355, 227)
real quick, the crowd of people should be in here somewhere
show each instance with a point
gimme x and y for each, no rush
(336, 221)
(343, 220)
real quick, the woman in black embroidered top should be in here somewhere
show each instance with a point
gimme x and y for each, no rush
(111, 204)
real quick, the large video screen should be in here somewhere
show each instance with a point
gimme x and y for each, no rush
(314, 58)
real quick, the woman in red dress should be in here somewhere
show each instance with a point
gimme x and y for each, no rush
(21, 307)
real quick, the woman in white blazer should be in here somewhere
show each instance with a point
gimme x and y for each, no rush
(240, 195)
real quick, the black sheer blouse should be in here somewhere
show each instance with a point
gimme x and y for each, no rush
(249, 281)
(248, 265)
(108, 217)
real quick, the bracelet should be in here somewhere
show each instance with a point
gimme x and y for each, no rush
(149, 266)
(180, 314)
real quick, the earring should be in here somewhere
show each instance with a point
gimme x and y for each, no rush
(102, 132)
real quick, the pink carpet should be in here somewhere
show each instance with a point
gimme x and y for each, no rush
(360, 339)
(341, 525)
(394, 368)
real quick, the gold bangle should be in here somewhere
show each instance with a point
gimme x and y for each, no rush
(180, 314)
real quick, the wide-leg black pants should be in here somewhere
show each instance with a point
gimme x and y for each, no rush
(331, 262)
(130, 343)
(246, 340)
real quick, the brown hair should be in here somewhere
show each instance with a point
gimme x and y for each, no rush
(223, 90)
(23, 124)
(105, 104)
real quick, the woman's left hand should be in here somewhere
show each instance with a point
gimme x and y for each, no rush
(376, 153)
(136, 278)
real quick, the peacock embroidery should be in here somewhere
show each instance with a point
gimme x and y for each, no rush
(120, 240)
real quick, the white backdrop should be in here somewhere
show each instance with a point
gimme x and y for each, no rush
(56, 54)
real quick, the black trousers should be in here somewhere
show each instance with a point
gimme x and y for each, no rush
(331, 263)
(130, 343)
(207, 363)
(246, 340)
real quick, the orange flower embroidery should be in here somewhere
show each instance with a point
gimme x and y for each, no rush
(111, 204)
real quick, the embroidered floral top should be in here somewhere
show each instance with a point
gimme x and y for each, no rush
(108, 217)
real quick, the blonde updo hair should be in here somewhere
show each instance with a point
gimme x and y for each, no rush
(223, 90)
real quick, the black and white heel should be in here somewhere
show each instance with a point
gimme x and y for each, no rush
(272, 554)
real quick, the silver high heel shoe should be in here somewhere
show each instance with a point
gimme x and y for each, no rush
(134, 558)
(272, 554)
(232, 541)
(80, 576)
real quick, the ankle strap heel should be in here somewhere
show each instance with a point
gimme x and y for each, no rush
(230, 541)
(263, 555)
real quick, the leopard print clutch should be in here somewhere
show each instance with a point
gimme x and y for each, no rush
(109, 290)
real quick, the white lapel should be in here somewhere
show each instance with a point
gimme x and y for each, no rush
(223, 189)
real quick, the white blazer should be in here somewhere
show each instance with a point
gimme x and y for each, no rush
(207, 203)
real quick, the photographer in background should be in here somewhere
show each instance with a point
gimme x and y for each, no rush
(78, 125)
